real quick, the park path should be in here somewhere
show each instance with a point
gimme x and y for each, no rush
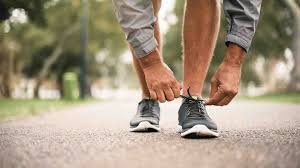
(253, 134)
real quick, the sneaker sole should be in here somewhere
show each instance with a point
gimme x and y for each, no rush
(145, 126)
(199, 131)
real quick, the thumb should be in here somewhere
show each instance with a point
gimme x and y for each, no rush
(213, 88)
(218, 96)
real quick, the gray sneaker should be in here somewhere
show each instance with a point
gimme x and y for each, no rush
(193, 119)
(147, 117)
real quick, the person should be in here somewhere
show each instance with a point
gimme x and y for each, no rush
(138, 20)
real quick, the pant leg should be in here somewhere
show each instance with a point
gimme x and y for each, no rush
(137, 19)
(242, 17)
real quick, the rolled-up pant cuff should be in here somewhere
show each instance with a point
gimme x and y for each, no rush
(233, 38)
(145, 48)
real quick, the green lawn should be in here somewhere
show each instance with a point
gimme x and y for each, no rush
(16, 108)
(12, 108)
(283, 98)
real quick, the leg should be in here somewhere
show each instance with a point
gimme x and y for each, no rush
(156, 6)
(200, 31)
(201, 24)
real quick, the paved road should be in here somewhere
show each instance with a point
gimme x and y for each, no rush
(253, 134)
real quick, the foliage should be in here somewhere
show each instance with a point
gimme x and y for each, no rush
(273, 36)
(35, 43)
(34, 9)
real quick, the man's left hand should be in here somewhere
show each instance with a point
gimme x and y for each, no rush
(225, 82)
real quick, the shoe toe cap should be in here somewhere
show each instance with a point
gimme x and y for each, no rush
(135, 121)
(190, 123)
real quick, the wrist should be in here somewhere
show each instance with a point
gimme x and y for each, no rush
(153, 59)
(234, 55)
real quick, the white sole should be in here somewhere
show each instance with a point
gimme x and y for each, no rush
(144, 126)
(179, 128)
(200, 131)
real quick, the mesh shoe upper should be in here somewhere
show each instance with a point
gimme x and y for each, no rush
(148, 110)
(193, 112)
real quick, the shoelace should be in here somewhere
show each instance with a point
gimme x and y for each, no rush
(195, 106)
(147, 110)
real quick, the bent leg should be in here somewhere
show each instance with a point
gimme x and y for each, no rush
(200, 31)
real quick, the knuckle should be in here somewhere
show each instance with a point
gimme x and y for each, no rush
(164, 83)
(226, 89)
(174, 83)
(169, 82)
(154, 85)
(235, 92)
(151, 90)
(232, 91)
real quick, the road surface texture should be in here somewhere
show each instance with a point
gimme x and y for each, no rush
(253, 134)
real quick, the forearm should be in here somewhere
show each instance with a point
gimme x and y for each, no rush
(137, 20)
(242, 17)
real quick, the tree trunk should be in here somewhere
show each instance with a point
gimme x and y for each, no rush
(53, 57)
(295, 75)
(266, 76)
(7, 73)
(294, 85)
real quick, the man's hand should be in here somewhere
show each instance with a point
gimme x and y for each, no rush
(225, 82)
(160, 80)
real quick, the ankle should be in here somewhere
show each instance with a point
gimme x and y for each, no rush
(193, 93)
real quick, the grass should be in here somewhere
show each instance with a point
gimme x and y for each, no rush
(17, 108)
(278, 97)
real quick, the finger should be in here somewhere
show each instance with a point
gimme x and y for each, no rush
(153, 95)
(213, 88)
(216, 98)
(160, 95)
(169, 94)
(176, 89)
(226, 100)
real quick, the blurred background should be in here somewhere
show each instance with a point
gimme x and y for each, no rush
(53, 49)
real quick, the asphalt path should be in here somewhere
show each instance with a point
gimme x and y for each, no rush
(253, 134)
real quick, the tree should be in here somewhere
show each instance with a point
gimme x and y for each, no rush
(48, 50)
(294, 7)
(33, 8)
(274, 34)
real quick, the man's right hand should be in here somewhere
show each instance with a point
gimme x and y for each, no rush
(160, 80)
